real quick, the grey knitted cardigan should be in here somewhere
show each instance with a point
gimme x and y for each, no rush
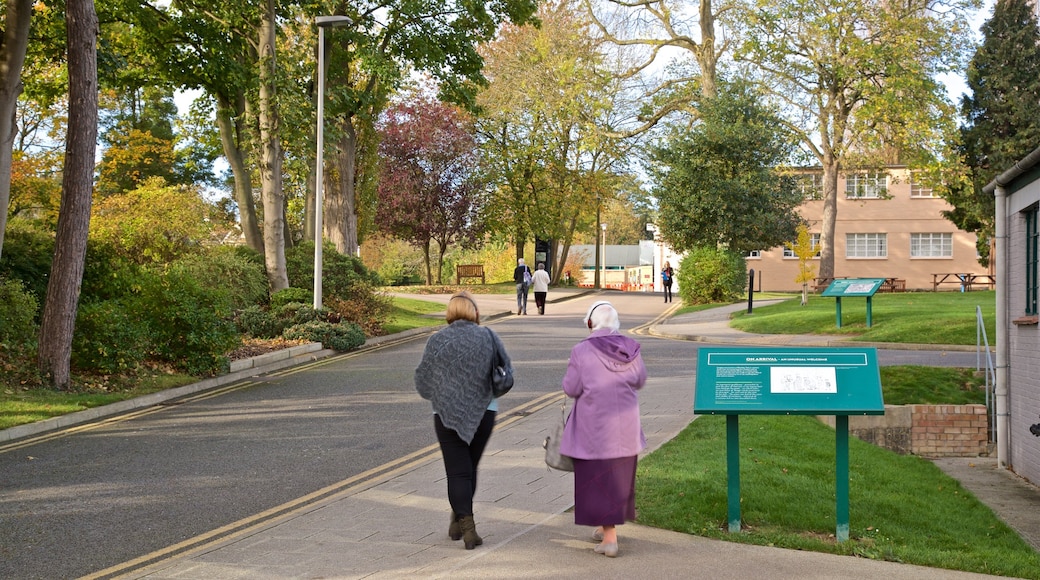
(455, 374)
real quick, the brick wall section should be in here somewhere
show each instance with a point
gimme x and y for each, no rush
(949, 430)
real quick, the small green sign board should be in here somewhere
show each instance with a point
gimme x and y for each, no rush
(861, 287)
(853, 287)
(788, 381)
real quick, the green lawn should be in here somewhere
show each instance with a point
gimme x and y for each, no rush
(902, 317)
(902, 508)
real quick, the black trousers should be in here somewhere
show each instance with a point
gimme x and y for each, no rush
(460, 461)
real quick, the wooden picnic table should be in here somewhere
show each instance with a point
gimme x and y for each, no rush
(964, 279)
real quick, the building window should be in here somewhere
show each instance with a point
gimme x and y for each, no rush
(754, 254)
(931, 245)
(866, 185)
(811, 185)
(1032, 264)
(918, 189)
(866, 245)
(814, 241)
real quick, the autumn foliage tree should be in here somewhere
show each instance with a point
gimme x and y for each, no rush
(429, 177)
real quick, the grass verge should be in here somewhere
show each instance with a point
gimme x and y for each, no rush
(902, 508)
(911, 317)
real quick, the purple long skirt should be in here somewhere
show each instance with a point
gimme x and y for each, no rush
(604, 491)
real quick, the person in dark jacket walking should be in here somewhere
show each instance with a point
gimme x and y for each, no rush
(603, 433)
(666, 279)
(454, 375)
(522, 277)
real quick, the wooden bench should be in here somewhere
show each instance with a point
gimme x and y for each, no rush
(821, 284)
(469, 271)
(893, 285)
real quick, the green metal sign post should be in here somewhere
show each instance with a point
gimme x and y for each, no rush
(788, 381)
(863, 287)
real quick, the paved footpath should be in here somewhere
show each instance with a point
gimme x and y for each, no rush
(393, 524)
(396, 526)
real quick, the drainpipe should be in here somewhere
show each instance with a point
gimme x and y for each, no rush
(1003, 350)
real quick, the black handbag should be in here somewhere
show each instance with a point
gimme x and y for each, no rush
(501, 372)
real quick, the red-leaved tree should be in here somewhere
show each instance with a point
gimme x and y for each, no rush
(429, 180)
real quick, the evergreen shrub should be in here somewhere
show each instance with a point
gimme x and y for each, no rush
(18, 312)
(257, 322)
(339, 273)
(26, 256)
(289, 296)
(223, 269)
(109, 338)
(710, 275)
(341, 337)
(190, 324)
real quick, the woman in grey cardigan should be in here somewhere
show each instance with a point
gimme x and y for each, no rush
(455, 375)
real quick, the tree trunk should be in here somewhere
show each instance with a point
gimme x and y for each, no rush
(830, 216)
(12, 57)
(706, 57)
(341, 227)
(271, 156)
(232, 140)
(70, 247)
(426, 258)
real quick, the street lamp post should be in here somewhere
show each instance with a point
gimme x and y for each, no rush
(604, 246)
(323, 22)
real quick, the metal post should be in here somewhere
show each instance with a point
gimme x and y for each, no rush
(751, 289)
(733, 471)
(319, 160)
(841, 476)
(319, 180)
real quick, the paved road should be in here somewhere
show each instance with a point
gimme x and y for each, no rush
(83, 499)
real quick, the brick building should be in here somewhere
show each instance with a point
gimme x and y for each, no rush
(1017, 196)
(887, 226)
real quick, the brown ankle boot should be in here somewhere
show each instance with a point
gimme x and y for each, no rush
(454, 529)
(469, 532)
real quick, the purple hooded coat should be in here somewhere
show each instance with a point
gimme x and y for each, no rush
(603, 375)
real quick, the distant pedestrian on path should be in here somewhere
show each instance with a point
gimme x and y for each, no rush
(454, 375)
(603, 434)
(522, 277)
(540, 284)
(666, 279)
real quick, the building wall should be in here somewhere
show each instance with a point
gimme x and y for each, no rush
(898, 216)
(1023, 345)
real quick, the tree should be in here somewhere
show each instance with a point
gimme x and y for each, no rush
(17, 17)
(1001, 125)
(719, 184)
(545, 130)
(429, 177)
(155, 223)
(857, 81)
(59, 310)
(369, 60)
(655, 25)
(140, 142)
(805, 250)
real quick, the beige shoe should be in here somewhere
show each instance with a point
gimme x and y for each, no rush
(608, 550)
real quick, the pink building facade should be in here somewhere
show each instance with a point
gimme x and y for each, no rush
(887, 226)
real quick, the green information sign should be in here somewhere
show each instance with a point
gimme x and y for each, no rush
(788, 381)
(861, 287)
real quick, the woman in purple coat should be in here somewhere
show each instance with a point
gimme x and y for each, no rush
(603, 433)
